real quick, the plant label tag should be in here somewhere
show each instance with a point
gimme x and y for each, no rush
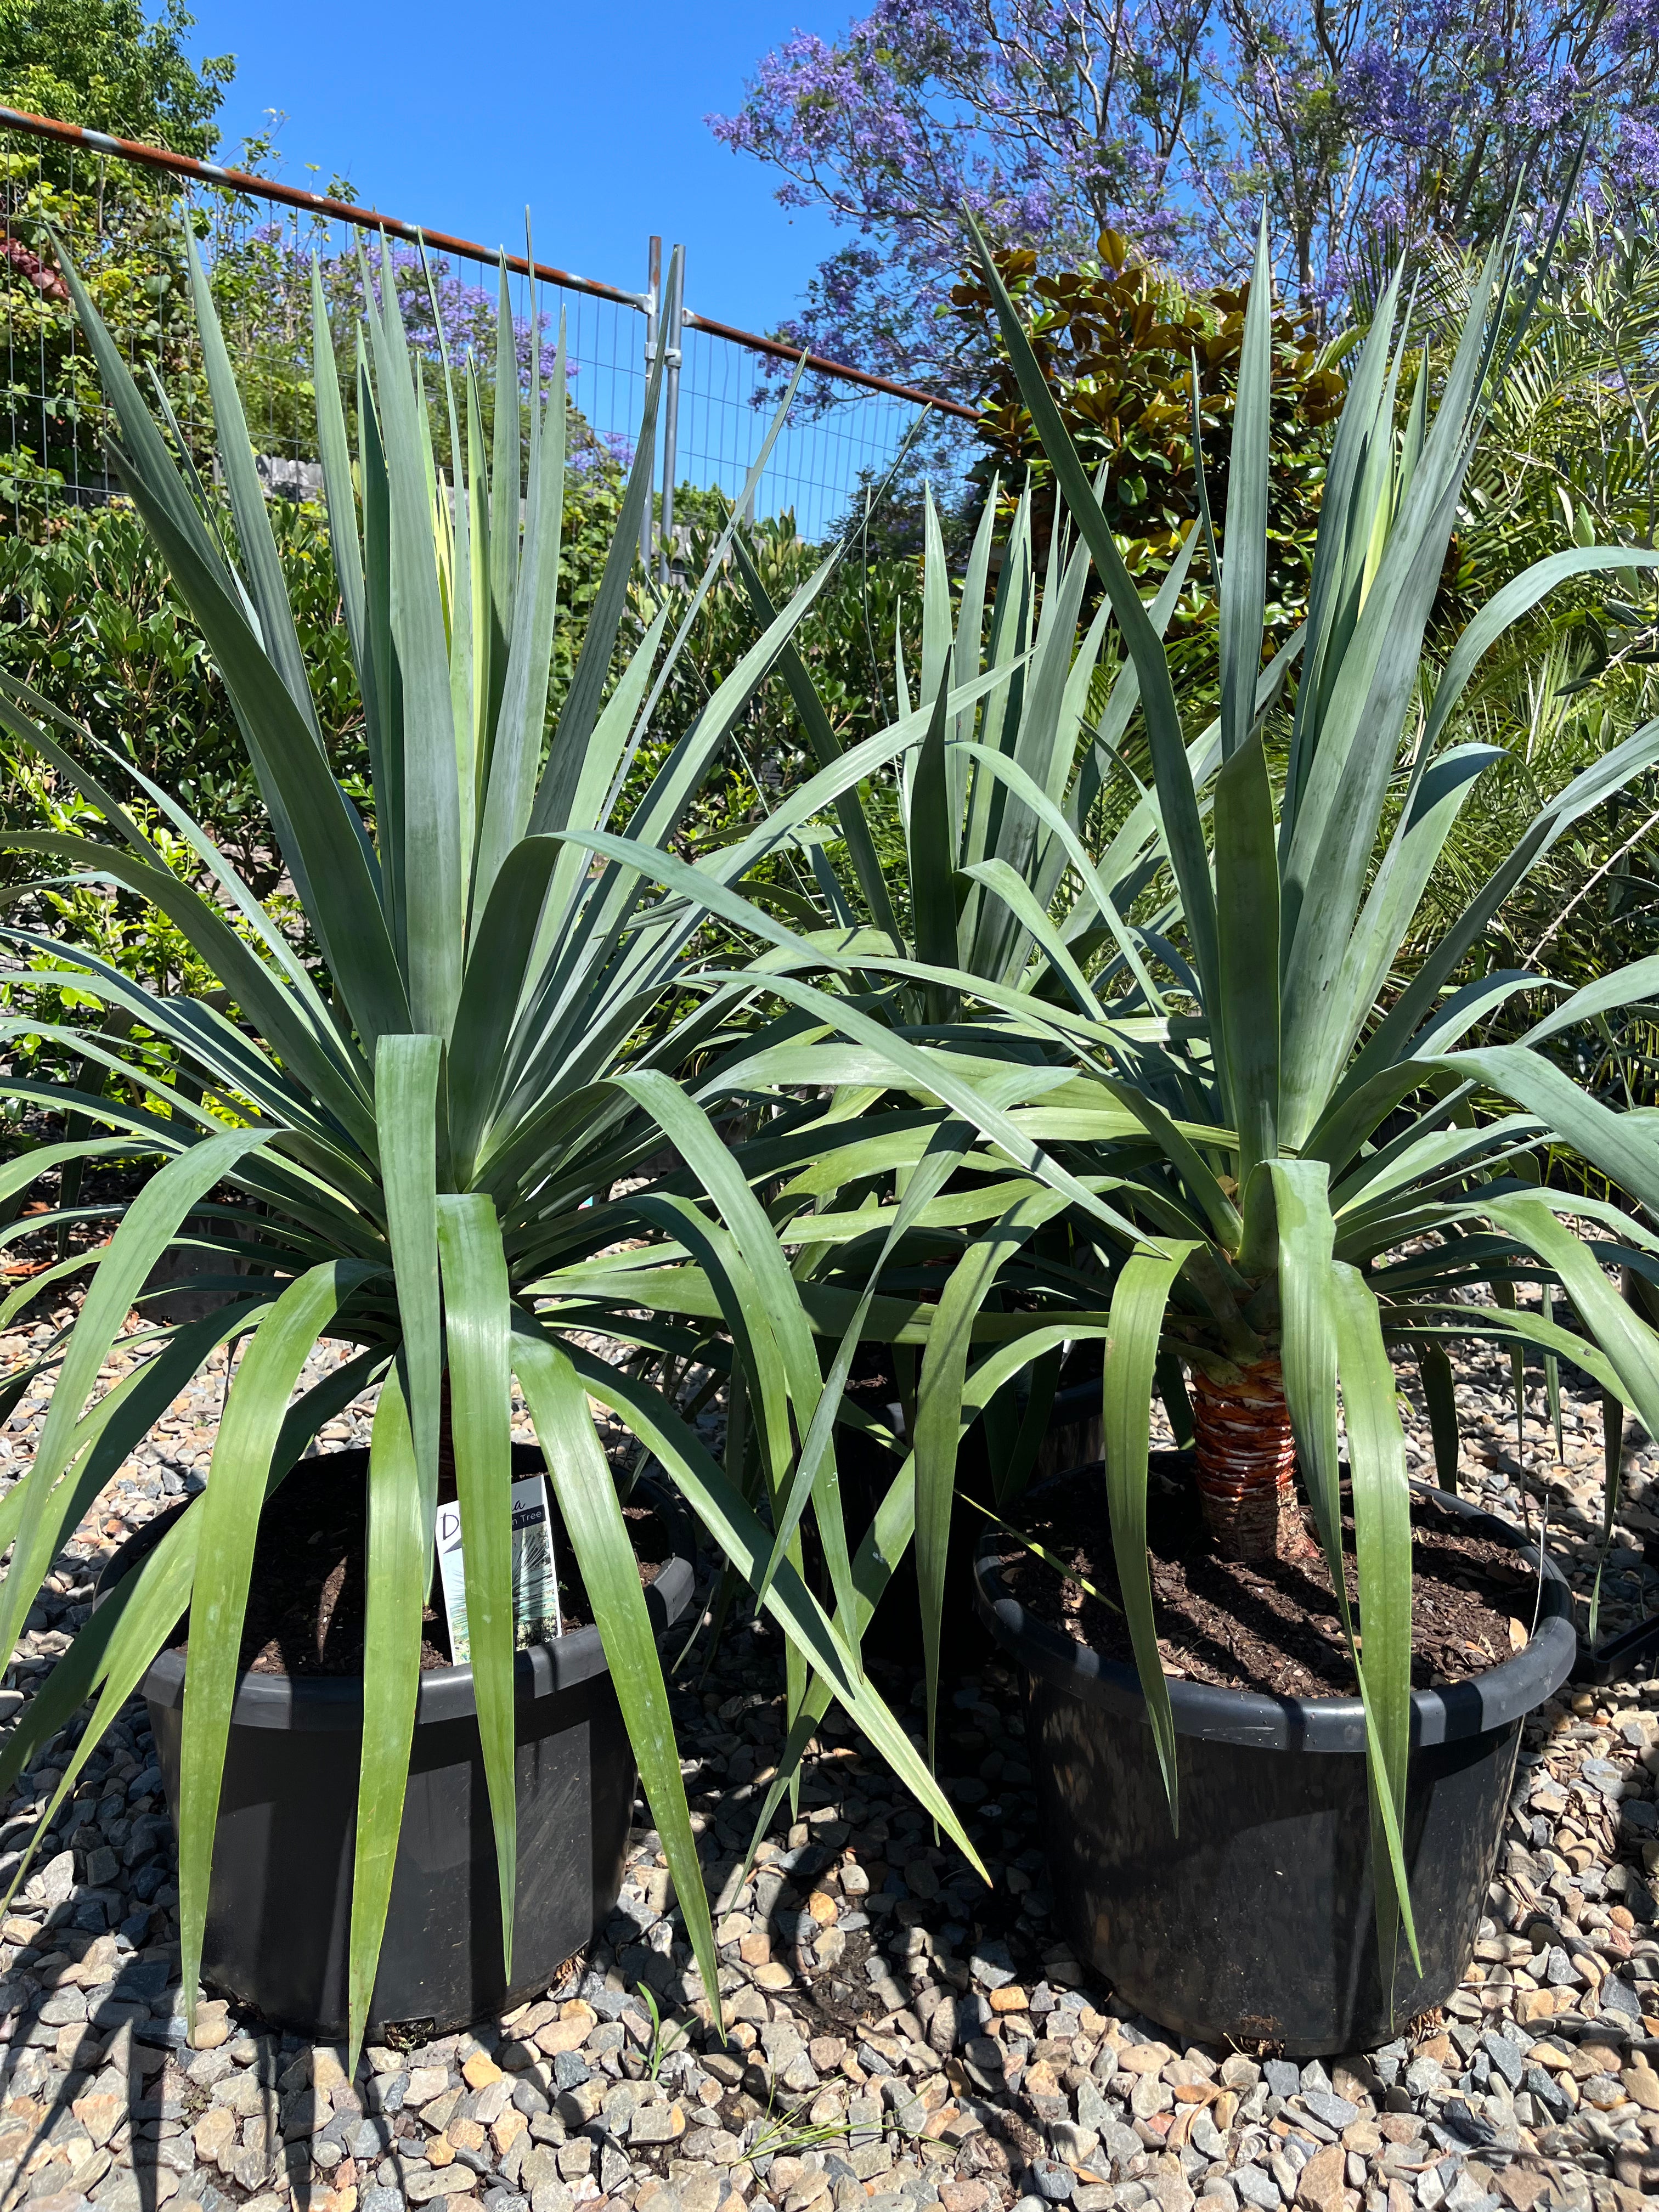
(536, 1615)
(452, 1573)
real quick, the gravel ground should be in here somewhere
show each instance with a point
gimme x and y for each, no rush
(900, 2036)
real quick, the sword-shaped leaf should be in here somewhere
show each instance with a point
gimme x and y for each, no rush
(256, 1406)
(395, 1581)
(1138, 1300)
(592, 1517)
(478, 1329)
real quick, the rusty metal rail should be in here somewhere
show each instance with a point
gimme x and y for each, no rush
(370, 219)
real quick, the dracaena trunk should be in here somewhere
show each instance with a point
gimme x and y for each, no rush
(1247, 1464)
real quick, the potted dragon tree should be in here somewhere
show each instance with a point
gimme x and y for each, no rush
(1290, 1164)
(1373, 1165)
(388, 1131)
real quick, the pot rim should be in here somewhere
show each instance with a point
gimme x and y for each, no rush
(335, 1701)
(1495, 1699)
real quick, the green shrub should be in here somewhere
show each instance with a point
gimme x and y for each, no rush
(1119, 344)
(89, 619)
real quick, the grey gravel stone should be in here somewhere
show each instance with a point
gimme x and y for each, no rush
(1561, 1971)
(1120, 2143)
(1053, 2182)
(420, 2188)
(1465, 2195)
(1335, 2111)
(991, 1965)
(1541, 2089)
(1509, 2059)
(1618, 1998)
(651, 2124)
(1072, 2143)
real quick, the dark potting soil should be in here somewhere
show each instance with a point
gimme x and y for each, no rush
(306, 1601)
(1270, 1625)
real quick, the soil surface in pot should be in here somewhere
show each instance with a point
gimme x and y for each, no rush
(1268, 1626)
(306, 1608)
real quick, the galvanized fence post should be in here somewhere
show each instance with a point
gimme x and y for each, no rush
(653, 292)
(674, 311)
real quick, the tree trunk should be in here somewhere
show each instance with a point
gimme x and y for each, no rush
(1247, 1465)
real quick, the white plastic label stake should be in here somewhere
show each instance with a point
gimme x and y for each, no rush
(452, 1574)
(536, 1615)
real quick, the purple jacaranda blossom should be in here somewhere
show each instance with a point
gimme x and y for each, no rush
(1360, 123)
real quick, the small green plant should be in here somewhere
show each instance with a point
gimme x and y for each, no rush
(785, 2135)
(665, 2037)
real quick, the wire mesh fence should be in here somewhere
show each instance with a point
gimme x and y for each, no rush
(120, 218)
(823, 453)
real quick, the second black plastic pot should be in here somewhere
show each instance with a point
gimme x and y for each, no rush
(1254, 1922)
(279, 1903)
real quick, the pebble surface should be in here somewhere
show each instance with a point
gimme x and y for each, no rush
(899, 2036)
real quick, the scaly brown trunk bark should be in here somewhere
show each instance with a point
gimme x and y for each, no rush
(1247, 1465)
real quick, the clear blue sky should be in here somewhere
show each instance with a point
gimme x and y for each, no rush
(458, 117)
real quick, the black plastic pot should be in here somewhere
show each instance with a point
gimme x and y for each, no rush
(894, 1630)
(1256, 1922)
(279, 1905)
